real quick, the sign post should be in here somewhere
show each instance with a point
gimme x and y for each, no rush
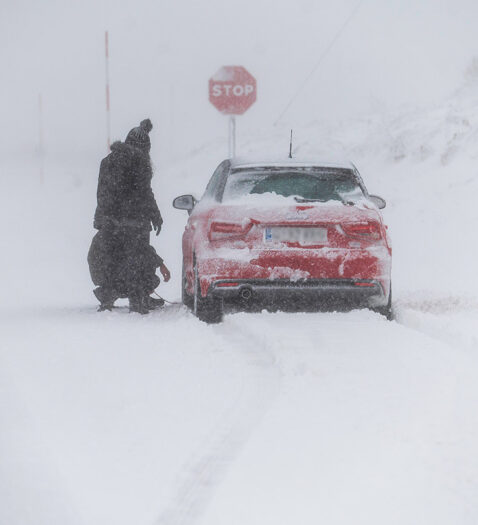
(232, 90)
(232, 136)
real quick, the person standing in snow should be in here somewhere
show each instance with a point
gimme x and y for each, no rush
(122, 262)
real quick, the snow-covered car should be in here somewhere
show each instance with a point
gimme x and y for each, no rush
(269, 233)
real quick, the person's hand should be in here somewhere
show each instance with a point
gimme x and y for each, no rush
(165, 272)
(157, 222)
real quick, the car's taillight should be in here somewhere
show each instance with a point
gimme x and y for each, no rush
(363, 230)
(227, 230)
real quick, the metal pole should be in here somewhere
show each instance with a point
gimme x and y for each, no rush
(232, 136)
(107, 75)
(40, 138)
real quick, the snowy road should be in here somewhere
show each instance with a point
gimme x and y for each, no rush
(266, 418)
(139, 431)
(373, 421)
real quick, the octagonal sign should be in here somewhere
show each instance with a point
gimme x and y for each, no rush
(232, 90)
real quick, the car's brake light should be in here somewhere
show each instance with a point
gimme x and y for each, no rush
(227, 230)
(363, 230)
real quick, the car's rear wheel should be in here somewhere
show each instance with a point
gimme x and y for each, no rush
(207, 309)
(387, 310)
(187, 299)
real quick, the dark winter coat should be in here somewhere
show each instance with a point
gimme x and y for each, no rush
(123, 262)
(125, 196)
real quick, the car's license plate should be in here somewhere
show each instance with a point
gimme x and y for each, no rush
(305, 236)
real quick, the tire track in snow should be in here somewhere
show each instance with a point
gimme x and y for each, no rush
(261, 380)
(252, 355)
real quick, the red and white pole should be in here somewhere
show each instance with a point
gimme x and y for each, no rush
(107, 75)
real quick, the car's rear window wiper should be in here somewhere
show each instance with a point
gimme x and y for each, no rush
(301, 199)
(339, 197)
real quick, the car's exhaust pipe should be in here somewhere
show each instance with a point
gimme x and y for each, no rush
(246, 294)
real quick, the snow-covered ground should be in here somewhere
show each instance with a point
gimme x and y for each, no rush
(268, 418)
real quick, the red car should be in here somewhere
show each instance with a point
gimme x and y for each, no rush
(285, 232)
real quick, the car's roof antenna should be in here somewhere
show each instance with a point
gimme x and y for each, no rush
(290, 147)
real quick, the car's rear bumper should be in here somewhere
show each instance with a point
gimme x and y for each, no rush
(324, 274)
(354, 292)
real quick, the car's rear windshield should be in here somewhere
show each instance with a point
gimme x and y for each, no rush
(304, 183)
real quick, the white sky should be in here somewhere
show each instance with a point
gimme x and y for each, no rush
(163, 52)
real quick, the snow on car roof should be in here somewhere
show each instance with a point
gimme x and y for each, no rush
(255, 162)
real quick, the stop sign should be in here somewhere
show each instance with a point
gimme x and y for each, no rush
(232, 90)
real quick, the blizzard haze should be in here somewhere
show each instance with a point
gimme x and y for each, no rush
(333, 418)
(163, 52)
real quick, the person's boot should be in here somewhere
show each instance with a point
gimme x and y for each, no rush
(106, 298)
(105, 306)
(152, 303)
(137, 304)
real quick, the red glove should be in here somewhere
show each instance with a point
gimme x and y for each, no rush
(165, 272)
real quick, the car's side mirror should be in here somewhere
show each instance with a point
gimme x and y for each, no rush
(185, 202)
(378, 201)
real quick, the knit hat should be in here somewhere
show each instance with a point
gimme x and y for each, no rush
(138, 137)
